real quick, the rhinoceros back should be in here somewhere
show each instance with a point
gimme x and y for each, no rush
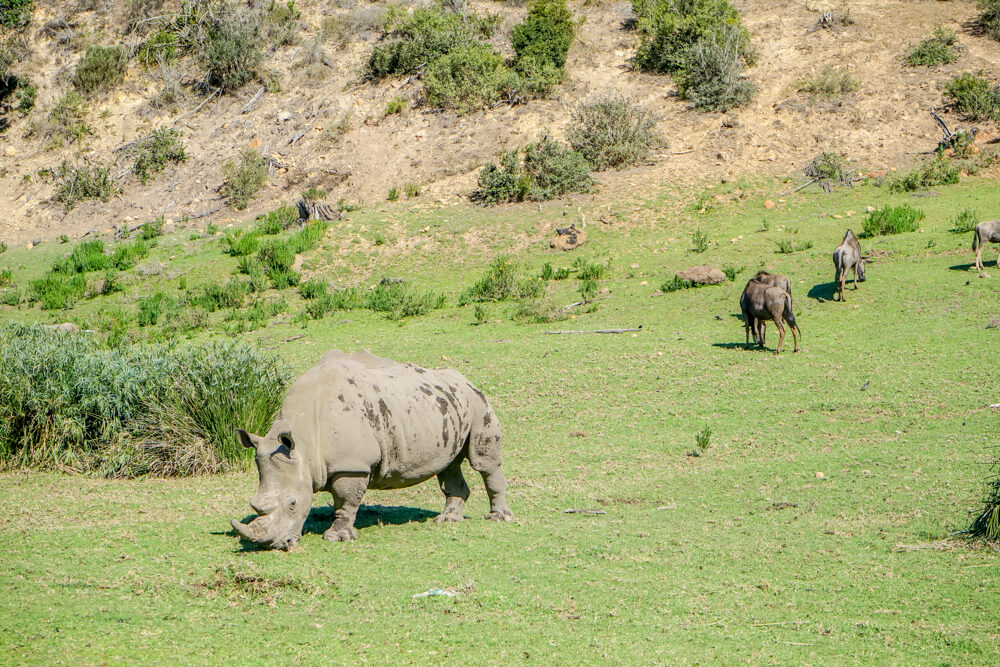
(359, 413)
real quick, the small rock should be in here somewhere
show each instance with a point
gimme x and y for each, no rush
(284, 116)
(820, 475)
(837, 216)
(869, 209)
(9, 151)
(849, 214)
(254, 143)
(768, 203)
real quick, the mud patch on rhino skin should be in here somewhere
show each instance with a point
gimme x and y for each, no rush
(341, 398)
(426, 390)
(370, 414)
(383, 410)
(351, 381)
(445, 433)
(443, 405)
(487, 419)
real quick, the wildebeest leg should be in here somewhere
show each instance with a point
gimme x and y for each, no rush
(761, 332)
(455, 491)
(347, 491)
(855, 276)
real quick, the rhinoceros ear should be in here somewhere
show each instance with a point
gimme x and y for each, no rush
(285, 438)
(246, 439)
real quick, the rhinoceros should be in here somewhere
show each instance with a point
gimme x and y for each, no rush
(355, 422)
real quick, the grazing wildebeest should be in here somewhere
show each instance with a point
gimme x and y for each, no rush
(760, 302)
(775, 280)
(846, 257)
(985, 232)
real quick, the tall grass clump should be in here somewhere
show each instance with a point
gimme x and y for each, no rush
(398, 300)
(975, 96)
(612, 132)
(891, 220)
(84, 182)
(938, 171)
(57, 292)
(964, 221)
(502, 281)
(989, 18)
(152, 154)
(986, 524)
(244, 178)
(541, 171)
(829, 83)
(100, 69)
(69, 403)
(936, 50)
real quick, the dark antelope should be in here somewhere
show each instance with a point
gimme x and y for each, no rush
(775, 280)
(846, 257)
(760, 302)
(985, 232)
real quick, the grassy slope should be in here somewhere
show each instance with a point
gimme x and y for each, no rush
(693, 560)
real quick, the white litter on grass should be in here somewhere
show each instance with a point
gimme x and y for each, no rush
(434, 592)
(995, 405)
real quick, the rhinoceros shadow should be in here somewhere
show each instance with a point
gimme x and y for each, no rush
(320, 518)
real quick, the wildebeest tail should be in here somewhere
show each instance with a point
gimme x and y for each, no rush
(975, 239)
(789, 314)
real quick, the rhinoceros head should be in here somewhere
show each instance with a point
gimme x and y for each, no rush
(285, 492)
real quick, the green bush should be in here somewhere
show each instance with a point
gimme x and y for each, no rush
(538, 311)
(827, 169)
(244, 179)
(282, 23)
(986, 523)
(612, 132)
(502, 281)
(939, 171)
(276, 221)
(313, 289)
(232, 50)
(213, 296)
(240, 242)
(468, 78)
(668, 29)
(86, 256)
(282, 278)
(989, 18)
(936, 50)
(964, 222)
(712, 78)
(15, 14)
(162, 47)
(68, 403)
(503, 183)
(699, 241)
(677, 283)
(27, 94)
(100, 69)
(974, 96)
(152, 229)
(151, 307)
(79, 183)
(395, 106)
(65, 121)
(830, 82)
(546, 34)
(399, 300)
(786, 247)
(56, 292)
(547, 170)
(308, 237)
(152, 154)
(891, 220)
(343, 299)
(127, 255)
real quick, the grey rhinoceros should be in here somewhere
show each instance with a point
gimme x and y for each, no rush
(356, 422)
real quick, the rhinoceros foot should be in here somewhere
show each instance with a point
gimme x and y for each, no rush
(500, 515)
(340, 534)
(449, 516)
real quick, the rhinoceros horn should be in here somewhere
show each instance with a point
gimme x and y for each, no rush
(244, 530)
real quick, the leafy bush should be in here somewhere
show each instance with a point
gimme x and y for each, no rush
(67, 403)
(986, 523)
(244, 179)
(79, 183)
(964, 222)
(502, 281)
(546, 34)
(712, 78)
(538, 311)
(15, 14)
(127, 255)
(989, 19)
(26, 96)
(974, 96)
(161, 48)
(830, 82)
(151, 307)
(100, 69)
(677, 283)
(344, 299)
(470, 77)
(668, 30)
(612, 132)
(827, 169)
(65, 122)
(232, 50)
(57, 292)
(282, 23)
(589, 270)
(891, 220)
(547, 170)
(152, 229)
(936, 50)
(939, 171)
(308, 237)
(152, 154)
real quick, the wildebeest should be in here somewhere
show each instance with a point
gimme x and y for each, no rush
(985, 232)
(775, 280)
(760, 302)
(846, 257)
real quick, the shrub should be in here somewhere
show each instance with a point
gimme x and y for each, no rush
(731, 271)
(554, 170)
(282, 23)
(939, 171)
(891, 220)
(15, 14)
(313, 289)
(10, 297)
(412, 190)
(936, 50)
(127, 255)
(395, 105)
(589, 270)
(308, 237)
(276, 221)
(232, 51)
(344, 299)
(506, 182)
(213, 296)
(989, 19)
(468, 78)
(986, 523)
(392, 196)
(100, 69)
(65, 122)
(276, 255)
(828, 169)
(66, 403)
(26, 96)
(677, 283)
(87, 256)
(56, 292)
(546, 34)
(538, 311)
(712, 78)
(699, 241)
(669, 28)
(151, 307)
(502, 281)
(612, 132)
(830, 82)
(964, 222)
(152, 229)
(786, 247)
(399, 300)
(159, 49)
(974, 96)
(5, 277)
(240, 243)
(152, 154)
(244, 179)
(79, 183)
(282, 278)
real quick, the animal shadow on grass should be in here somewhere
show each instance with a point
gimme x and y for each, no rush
(824, 291)
(737, 346)
(971, 265)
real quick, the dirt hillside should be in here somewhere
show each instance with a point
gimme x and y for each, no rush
(326, 128)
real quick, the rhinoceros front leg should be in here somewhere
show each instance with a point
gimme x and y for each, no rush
(347, 491)
(455, 491)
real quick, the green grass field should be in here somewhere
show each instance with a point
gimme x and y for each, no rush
(817, 527)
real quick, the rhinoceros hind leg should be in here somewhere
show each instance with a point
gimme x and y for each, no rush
(347, 491)
(455, 491)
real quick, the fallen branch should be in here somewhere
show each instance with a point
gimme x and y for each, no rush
(790, 192)
(583, 511)
(198, 108)
(585, 302)
(598, 331)
(202, 215)
(296, 138)
(249, 105)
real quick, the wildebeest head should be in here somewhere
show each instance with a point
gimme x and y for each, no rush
(284, 494)
(861, 267)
